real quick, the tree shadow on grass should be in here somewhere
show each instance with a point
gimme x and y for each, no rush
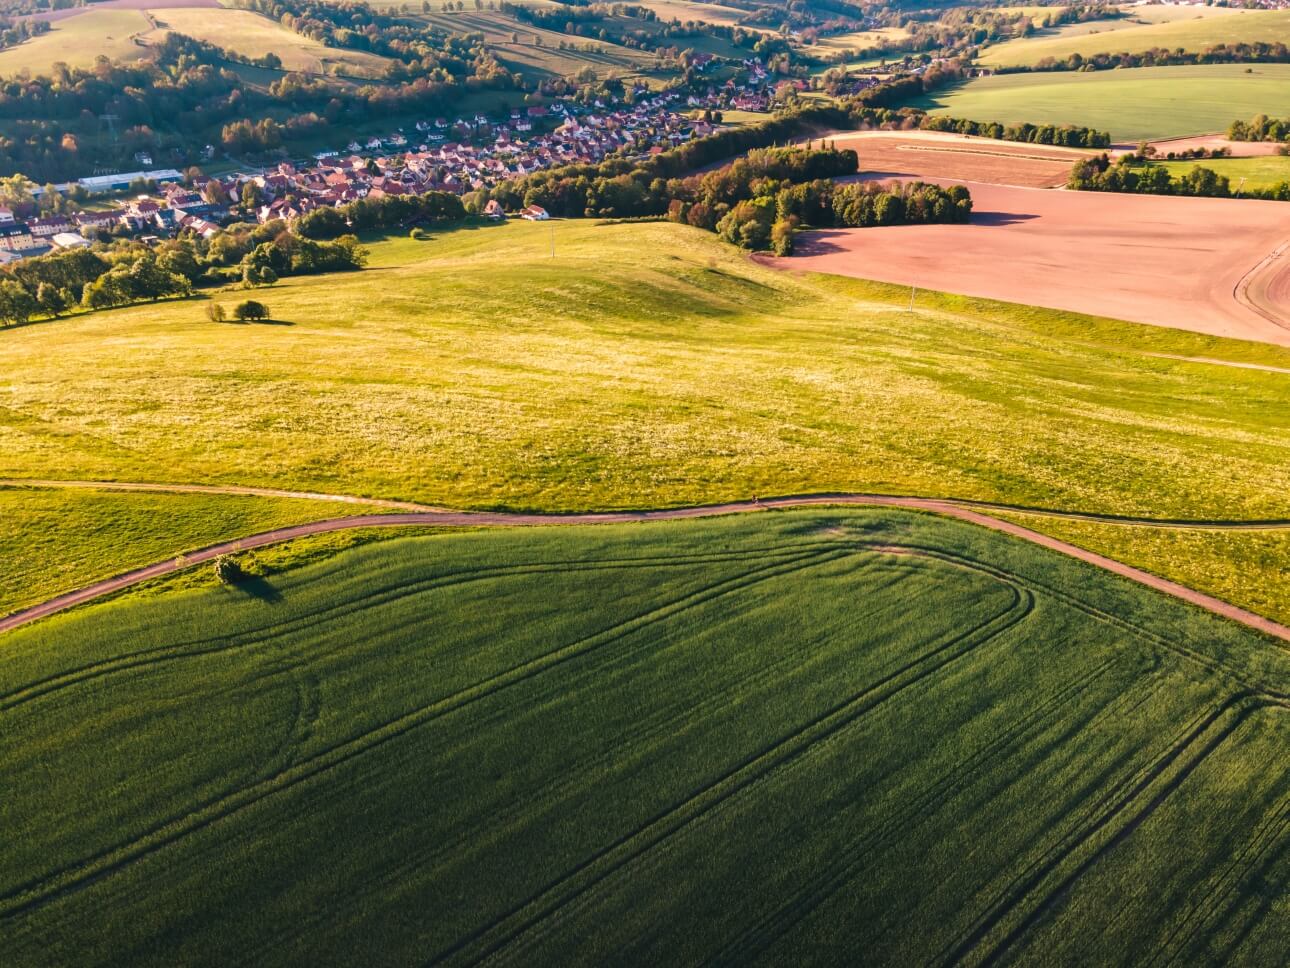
(260, 322)
(256, 586)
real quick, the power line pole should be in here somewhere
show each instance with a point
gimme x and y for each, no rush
(552, 241)
(912, 290)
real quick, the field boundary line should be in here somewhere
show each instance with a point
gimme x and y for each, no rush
(444, 518)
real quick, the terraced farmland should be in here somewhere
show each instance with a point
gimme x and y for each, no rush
(776, 738)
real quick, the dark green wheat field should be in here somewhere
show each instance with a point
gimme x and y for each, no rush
(828, 737)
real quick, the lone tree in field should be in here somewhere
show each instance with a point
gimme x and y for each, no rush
(215, 312)
(250, 310)
(228, 571)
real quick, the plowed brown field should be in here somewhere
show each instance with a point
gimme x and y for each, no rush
(1202, 264)
(932, 155)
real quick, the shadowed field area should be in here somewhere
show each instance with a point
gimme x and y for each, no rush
(536, 735)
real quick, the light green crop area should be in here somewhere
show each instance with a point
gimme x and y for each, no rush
(1133, 104)
(767, 739)
(1130, 35)
(1261, 172)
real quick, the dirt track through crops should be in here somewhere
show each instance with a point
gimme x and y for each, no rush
(444, 518)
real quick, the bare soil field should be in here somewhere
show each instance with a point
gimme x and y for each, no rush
(1203, 264)
(1237, 149)
(931, 155)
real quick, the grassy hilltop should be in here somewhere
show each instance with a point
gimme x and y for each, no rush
(645, 365)
(732, 740)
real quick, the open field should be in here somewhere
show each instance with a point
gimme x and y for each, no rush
(99, 5)
(57, 540)
(76, 41)
(1238, 149)
(124, 32)
(932, 155)
(685, 11)
(1195, 33)
(1054, 243)
(647, 365)
(254, 35)
(724, 739)
(856, 40)
(1140, 103)
(1247, 566)
(544, 58)
(1260, 172)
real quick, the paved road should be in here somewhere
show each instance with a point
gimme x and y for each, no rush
(439, 518)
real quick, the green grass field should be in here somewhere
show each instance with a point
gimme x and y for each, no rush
(1262, 172)
(125, 35)
(253, 35)
(535, 51)
(1201, 30)
(646, 365)
(725, 740)
(55, 541)
(1134, 104)
(1250, 567)
(77, 41)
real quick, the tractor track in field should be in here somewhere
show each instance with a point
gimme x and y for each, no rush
(783, 753)
(74, 877)
(428, 516)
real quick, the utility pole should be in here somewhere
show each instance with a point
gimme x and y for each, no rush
(912, 290)
(1239, 187)
(552, 241)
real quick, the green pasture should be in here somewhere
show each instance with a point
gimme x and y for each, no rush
(1133, 104)
(55, 541)
(1261, 172)
(644, 365)
(536, 51)
(1250, 568)
(1132, 35)
(126, 34)
(253, 35)
(77, 41)
(767, 739)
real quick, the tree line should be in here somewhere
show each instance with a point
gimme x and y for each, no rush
(1258, 52)
(1127, 174)
(125, 271)
(1260, 128)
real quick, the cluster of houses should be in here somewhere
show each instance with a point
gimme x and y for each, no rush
(451, 160)
(144, 217)
(456, 156)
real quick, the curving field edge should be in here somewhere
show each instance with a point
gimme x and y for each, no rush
(434, 517)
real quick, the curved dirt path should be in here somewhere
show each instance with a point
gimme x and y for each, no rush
(506, 519)
(1186, 524)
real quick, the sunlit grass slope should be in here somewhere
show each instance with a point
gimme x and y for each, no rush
(781, 739)
(54, 541)
(643, 365)
(1132, 104)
